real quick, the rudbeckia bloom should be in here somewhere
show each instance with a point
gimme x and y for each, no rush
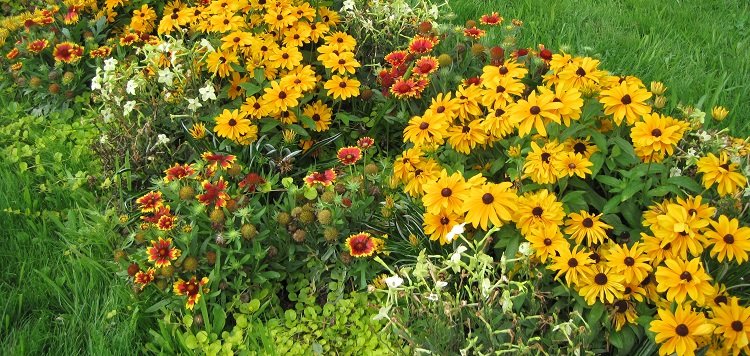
(586, 226)
(572, 164)
(426, 130)
(192, 289)
(342, 87)
(349, 155)
(722, 172)
(677, 332)
(437, 226)
(325, 179)
(534, 112)
(230, 124)
(162, 252)
(150, 202)
(464, 137)
(546, 241)
(623, 313)
(733, 325)
(220, 62)
(682, 229)
(279, 97)
(446, 193)
(538, 210)
(361, 245)
(603, 284)
(341, 41)
(490, 203)
(491, 75)
(425, 172)
(320, 114)
(502, 93)
(729, 240)
(631, 263)
(574, 265)
(582, 73)
(656, 133)
(625, 101)
(681, 279)
(287, 57)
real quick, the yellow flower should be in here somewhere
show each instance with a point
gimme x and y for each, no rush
(677, 332)
(490, 203)
(631, 263)
(546, 241)
(729, 240)
(342, 87)
(657, 133)
(658, 88)
(720, 171)
(574, 265)
(447, 193)
(279, 97)
(603, 285)
(219, 62)
(425, 130)
(320, 114)
(719, 113)
(586, 226)
(231, 124)
(535, 112)
(436, 226)
(538, 210)
(464, 137)
(625, 101)
(733, 326)
(198, 131)
(539, 162)
(572, 164)
(681, 279)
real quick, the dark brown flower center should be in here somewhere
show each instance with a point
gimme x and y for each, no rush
(686, 276)
(729, 238)
(537, 211)
(444, 220)
(629, 261)
(316, 117)
(342, 85)
(580, 147)
(499, 112)
(285, 56)
(571, 165)
(621, 306)
(545, 157)
(547, 242)
(504, 70)
(572, 263)
(534, 110)
(656, 132)
(682, 330)
(342, 61)
(282, 95)
(466, 129)
(424, 126)
(488, 198)
(440, 109)
(722, 299)
(232, 122)
(446, 192)
(737, 325)
(600, 279)
(587, 223)
(500, 89)
(581, 72)
(626, 99)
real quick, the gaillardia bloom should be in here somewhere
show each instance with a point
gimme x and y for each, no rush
(192, 289)
(162, 252)
(349, 155)
(150, 202)
(214, 193)
(677, 332)
(144, 278)
(325, 179)
(362, 244)
(218, 159)
(178, 172)
(67, 52)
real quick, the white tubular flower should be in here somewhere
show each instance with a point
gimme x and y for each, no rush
(166, 77)
(455, 230)
(194, 104)
(110, 64)
(130, 87)
(207, 92)
(162, 139)
(456, 256)
(128, 107)
(394, 281)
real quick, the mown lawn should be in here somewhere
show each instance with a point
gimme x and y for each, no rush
(699, 49)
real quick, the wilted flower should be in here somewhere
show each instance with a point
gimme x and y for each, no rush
(719, 113)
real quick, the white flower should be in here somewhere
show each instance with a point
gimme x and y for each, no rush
(110, 64)
(103, 139)
(96, 82)
(455, 230)
(432, 297)
(382, 313)
(348, 6)
(704, 136)
(194, 104)
(394, 281)
(525, 249)
(507, 303)
(128, 107)
(675, 172)
(207, 92)
(441, 284)
(130, 87)
(747, 192)
(162, 139)
(456, 256)
(433, 12)
(106, 114)
(205, 44)
(166, 76)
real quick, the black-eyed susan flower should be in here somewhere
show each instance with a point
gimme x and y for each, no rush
(722, 172)
(320, 114)
(342, 41)
(546, 241)
(448, 192)
(191, 288)
(582, 73)
(349, 155)
(572, 164)
(583, 225)
(325, 179)
(279, 97)
(683, 230)
(286, 57)
(733, 325)
(632, 263)
(656, 133)
(235, 85)
(150, 202)
(437, 226)
(657, 251)
(468, 98)
(444, 106)
(214, 193)
(361, 245)
(625, 101)
(500, 93)
(220, 62)
(623, 313)
(405, 163)
(426, 130)
(425, 172)
(538, 209)
(467, 135)
(602, 284)
(342, 87)
(143, 19)
(497, 124)
(729, 240)
(677, 332)
(492, 75)
(539, 162)
(574, 265)
(162, 252)
(534, 112)
(230, 124)
(681, 279)
(342, 62)
(490, 203)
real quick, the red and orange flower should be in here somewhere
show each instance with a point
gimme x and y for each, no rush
(150, 202)
(492, 19)
(214, 159)
(474, 33)
(363, 244)
(325, 179)
(349, 155)
(192, 289)
(162, 252)
(422, 44)
(67, 52)
(251, 182)
(426, 65)
(365, 142)
(37, 46)
(178, 172)
(397, 58)
(13, 53)
(405, 88)
(214, 193)
(101, 52)
(166, 222)
(129, 39)
(144, 278)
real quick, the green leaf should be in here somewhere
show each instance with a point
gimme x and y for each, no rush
(250, 88)
(613, 205)
(686, 183)
(610, 181)
(596, 313)
(630, 190)
(219, 319)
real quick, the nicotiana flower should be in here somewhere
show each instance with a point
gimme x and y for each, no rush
(194, 104)
(207, 45)
(110, 64)
(162, 139)
(394, 281)
(456, 256)
(166, 77)
(131, 86)
(207, 92)
(457, 229)
(128, 107)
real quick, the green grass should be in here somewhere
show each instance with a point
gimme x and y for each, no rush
(699, 49)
